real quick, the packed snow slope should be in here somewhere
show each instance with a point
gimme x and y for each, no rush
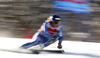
(73, 49)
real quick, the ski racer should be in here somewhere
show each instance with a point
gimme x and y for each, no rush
(49, 32)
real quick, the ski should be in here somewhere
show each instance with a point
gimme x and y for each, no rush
(31, 51)
(53, 51)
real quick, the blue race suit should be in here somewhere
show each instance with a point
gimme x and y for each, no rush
(46, 35)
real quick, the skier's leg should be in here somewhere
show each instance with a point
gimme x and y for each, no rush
(30, 44)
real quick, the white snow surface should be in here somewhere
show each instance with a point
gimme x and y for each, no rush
(73, 49)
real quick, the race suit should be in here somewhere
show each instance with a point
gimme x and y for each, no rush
(46, 35)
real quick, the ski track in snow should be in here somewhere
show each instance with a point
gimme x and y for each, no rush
(73, 49)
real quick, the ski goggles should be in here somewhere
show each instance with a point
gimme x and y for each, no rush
(56, 22)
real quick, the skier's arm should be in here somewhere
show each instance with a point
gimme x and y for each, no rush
(60, 35)
(60, 38)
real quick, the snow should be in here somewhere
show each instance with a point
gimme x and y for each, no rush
(73, 49)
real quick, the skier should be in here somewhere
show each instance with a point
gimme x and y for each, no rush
(49, 32)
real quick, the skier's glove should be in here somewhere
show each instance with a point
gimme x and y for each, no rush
(59, 46)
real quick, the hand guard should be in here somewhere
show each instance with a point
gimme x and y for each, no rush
(59, 46)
